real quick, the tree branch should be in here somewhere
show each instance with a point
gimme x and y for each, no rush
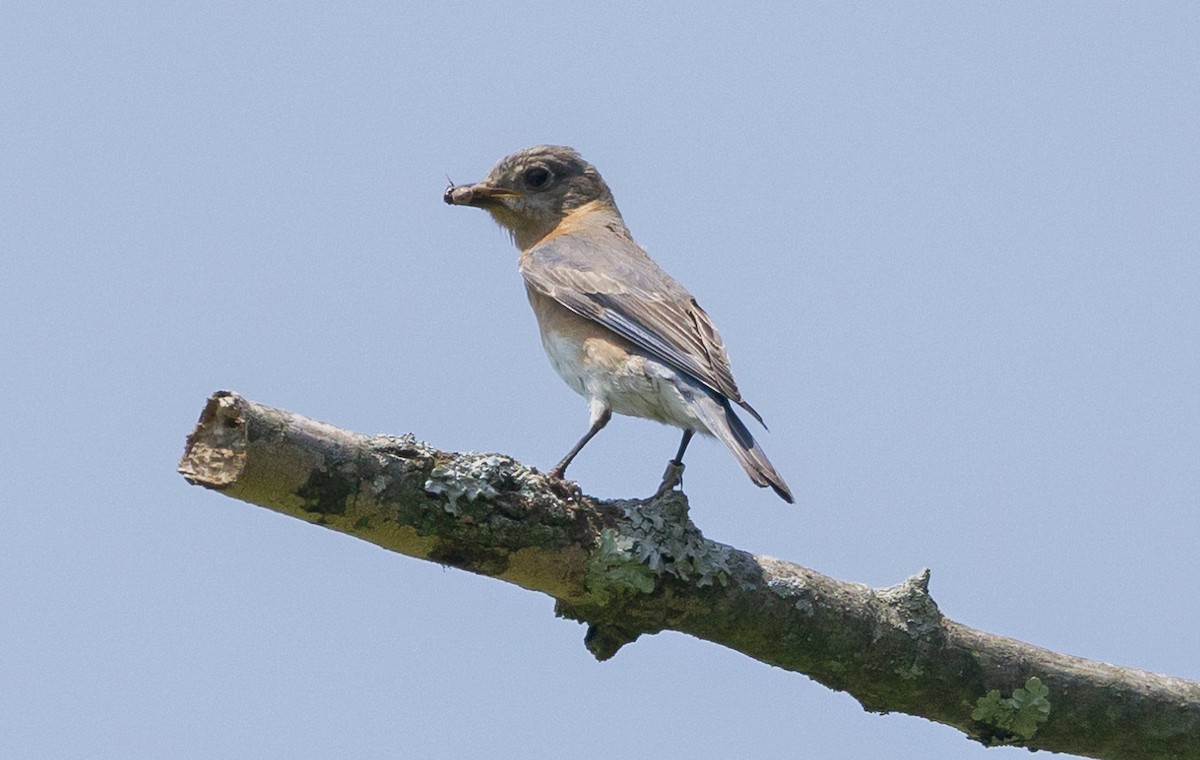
(628, 568)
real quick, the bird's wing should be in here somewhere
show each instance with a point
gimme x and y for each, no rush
(614, 282)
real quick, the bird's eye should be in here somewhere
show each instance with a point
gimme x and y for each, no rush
(537, 178)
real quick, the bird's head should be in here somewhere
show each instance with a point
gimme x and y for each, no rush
(531, 191)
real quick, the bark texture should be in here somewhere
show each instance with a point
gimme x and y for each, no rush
(627, 568)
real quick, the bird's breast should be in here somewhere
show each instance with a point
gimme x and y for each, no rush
(573, 343)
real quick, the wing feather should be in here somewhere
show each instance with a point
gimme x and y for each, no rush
(612, 281)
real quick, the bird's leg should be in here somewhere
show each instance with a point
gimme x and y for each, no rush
(598, 422)
(674, 472)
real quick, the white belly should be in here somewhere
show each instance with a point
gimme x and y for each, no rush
(611, 374)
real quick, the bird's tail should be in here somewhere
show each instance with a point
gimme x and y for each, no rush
(718, 416)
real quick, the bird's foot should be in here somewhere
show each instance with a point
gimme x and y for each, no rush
(673, 476)
(560, 470)
(559, 483)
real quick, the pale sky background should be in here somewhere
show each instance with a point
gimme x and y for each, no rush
(952, 248)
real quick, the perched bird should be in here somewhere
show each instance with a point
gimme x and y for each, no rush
(618, 329)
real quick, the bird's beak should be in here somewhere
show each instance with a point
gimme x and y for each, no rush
(480, 195)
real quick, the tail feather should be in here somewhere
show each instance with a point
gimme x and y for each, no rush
(720, 419)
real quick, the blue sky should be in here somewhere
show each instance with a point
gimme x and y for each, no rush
(952, 249)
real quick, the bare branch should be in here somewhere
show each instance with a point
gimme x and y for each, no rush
(628, 568)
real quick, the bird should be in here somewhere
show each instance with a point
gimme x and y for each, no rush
(619, 330)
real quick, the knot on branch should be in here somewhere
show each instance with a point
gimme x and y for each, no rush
(909, 606)
(654, 541)
(636, 558)
(668, 543)
(604, 640)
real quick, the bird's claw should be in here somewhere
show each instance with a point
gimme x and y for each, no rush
(673, 476)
